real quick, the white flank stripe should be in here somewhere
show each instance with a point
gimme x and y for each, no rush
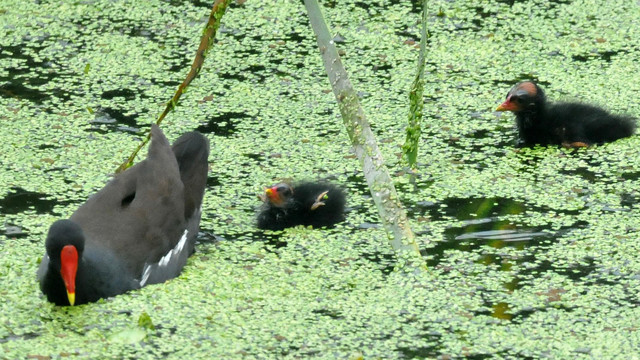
(175, 251)
(145, 275)
(166, 259)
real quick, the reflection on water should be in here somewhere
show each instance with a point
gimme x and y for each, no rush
(108, 120)
(13, 231)
(501, 235)
(473, 210)
(480, 229)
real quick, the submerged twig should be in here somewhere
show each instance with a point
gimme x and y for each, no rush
(382, 190)
(209, 34)
(416, 101)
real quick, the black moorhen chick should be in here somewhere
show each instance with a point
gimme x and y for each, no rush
(138, 230)
(567, 124)
(307, 203)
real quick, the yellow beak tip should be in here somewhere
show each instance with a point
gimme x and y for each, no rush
(72, 298)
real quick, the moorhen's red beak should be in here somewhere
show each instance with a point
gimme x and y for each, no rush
(273, 195)
(68, 269)
(507, 105)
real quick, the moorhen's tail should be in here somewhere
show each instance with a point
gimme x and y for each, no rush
(615, 127)
(578, 122)
(192, 153)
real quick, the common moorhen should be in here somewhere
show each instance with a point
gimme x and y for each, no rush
(137, 230)
(307, 203)
(567, 124)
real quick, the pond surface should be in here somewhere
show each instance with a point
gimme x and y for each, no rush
(532, 253)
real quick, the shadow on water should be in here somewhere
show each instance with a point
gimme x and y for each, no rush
(15, 89)
(597, 55)
(507, 84)
(20, 200)
(629, 200)
(18, 83)
(222, 125)
(551, 3)
(491, 143)
(198, 3)
(126, 94)
(582, 172)
(25, 80)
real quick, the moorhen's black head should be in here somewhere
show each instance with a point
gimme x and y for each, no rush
(65, 244)
(523, 97)
(278, 194)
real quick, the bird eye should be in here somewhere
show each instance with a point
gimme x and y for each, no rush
(514, 99)
(283, 190)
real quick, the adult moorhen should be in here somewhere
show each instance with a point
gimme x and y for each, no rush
(138, 230)
(307, 203)
(567, 124)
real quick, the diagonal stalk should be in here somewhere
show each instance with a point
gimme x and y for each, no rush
(364, 143)
(208, 35)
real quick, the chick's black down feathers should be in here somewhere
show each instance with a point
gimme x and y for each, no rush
(308, 203)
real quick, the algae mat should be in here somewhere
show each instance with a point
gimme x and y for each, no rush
(532, 253)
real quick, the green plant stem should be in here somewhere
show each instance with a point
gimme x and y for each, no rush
(416, 101)
(208, 36)
(364, 143)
